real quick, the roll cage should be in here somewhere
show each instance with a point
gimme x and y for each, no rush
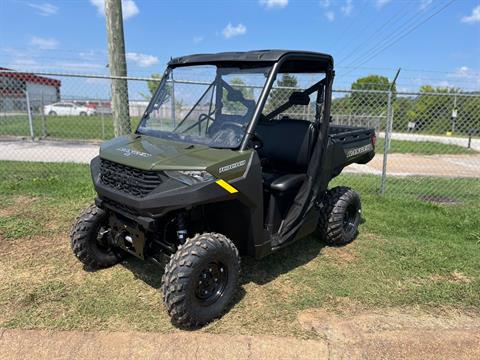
(281, 61)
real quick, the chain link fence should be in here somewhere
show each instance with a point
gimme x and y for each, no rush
(428, 143)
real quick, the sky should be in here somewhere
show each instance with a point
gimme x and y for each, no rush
(434, 42)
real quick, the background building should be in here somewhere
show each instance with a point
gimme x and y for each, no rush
(15, 85)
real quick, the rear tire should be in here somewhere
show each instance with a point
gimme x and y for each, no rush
(201, 279)
(83, 113)
(340, 216)
(52, 113)
(85, 241)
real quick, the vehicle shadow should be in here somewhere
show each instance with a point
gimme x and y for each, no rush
(280, 262)
(257, 271)
(148, 271)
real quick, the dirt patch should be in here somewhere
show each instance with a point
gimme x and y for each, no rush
(396, 333)
(19, 203)
(33, 247)
(455, 277)
(343, 255)
(428, 165)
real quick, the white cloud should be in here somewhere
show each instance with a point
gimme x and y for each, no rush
(465, 75)
(424, 4)
(44, 9)
(330, 15)
(100, 5)
(142, 60)
(22, 62)
(381, 3)
(347, 8)
(462, 71)
(197, 39)
(274, 3)
(26, 62)
(129, 8)
(44, 43)
(474, 17)
(444, 84)
(231, 31)
(325, 3)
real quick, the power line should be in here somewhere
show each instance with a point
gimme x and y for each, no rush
(410, 30)
(404, 25)
(375, 32)
(345, 31)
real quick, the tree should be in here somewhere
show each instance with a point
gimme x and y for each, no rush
(371, 103)
(232, 106)
(432, 109)
(372, 82)
(282, 91)
(153, 84)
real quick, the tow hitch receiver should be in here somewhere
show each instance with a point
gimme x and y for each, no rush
(129, 238)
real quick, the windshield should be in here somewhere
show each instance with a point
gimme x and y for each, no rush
(206, 105)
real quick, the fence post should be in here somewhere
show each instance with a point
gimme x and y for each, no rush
(29, 112)
(44, 122)
(103, 125)
(386, 142)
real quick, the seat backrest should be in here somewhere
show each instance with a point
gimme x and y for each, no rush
(287, 144)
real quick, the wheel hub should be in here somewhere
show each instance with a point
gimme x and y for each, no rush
(211, 283)
(349, 218)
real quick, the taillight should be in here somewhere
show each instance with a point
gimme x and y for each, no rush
(373, 139)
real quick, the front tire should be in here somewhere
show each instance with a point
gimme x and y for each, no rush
(201, 279)
(52, 113)
(340, 216)
(88, 239)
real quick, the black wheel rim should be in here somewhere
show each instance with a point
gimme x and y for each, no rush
(350, 219)
(211, 283)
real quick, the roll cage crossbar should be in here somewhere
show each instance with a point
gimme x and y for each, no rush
(296, 98)
(324, 94)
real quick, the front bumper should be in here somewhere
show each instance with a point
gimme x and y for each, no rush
(168, 196)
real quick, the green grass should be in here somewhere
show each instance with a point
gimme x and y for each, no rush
(422, 148)
(409, 253)
(61, 127)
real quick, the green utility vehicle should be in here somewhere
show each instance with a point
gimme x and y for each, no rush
(232, 158)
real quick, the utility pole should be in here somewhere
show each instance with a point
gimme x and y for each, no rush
(118, 66)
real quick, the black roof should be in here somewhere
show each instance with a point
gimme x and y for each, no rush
(304, 61)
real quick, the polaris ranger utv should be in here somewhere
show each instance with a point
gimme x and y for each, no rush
(224, 163)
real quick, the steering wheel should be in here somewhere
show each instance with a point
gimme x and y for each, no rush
(204, 116)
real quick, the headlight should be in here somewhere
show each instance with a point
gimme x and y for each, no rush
(190, 177)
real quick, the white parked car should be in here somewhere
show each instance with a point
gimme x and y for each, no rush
(68, 109)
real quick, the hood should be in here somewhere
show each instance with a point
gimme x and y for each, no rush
(151, 153)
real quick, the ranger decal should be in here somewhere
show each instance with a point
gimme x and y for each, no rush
(130, 152)
(232, 166)
(360, 150)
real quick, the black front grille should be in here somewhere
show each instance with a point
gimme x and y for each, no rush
(129, 180)
(119, 207)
